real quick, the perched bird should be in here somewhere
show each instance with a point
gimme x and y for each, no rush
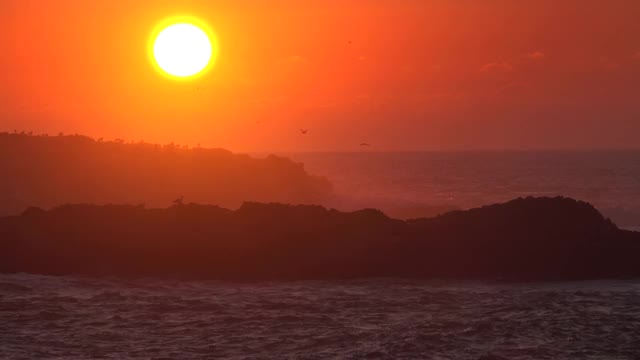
(304, 131)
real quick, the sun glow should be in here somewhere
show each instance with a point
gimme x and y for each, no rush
(183, 48)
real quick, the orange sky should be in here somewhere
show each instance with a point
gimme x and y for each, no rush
(418, 74)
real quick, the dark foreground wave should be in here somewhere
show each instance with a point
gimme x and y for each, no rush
(524, 239)
(95, 318)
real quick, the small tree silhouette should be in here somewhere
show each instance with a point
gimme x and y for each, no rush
(179, 201)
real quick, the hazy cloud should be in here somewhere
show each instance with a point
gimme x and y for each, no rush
(536, 55)
(497, 67)
(636, 55)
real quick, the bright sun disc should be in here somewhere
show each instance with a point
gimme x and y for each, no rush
(183, 50)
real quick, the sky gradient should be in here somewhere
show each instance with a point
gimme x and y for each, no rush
(401, 75)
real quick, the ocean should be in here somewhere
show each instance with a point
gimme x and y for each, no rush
(415, 184)
(82, 318)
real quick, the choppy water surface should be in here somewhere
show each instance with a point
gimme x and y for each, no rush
(79, 318)
(608, 179)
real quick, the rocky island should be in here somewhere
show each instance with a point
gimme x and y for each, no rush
(524, 239)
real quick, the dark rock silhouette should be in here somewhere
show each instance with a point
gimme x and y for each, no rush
(410, 211)
(524, 239)
(49, 171)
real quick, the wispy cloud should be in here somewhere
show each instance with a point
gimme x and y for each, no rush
(536, 55)
(497, 67)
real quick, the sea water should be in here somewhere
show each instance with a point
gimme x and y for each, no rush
(444, 180)
(96, 318)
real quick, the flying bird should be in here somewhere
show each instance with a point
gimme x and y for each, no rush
(304, 131)
(365, 144)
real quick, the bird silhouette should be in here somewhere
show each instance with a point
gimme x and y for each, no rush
(304, 131)
(365, 144)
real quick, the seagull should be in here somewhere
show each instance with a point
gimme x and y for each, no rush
(304, 131)
(365, 144)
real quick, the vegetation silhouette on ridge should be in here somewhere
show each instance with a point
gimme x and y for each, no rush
(524, 239)
(48, 171)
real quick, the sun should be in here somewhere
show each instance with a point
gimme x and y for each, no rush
(183, 48)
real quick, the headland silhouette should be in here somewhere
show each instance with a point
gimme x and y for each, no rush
(47, 171)
(524, 239)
